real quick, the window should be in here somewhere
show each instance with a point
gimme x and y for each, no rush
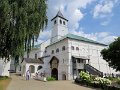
(52, 51)
(35, 56)
(77, 48)
(39, 67)
(60, 21)
(72, 47)
(55, 22)
(57, 50)
(80, 60)
(63, 48)
(64, 22)
(32, 68)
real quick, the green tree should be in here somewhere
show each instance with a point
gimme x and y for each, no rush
(112, 54)
(20, 24)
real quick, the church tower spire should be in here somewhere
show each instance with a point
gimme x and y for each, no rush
(59, 27)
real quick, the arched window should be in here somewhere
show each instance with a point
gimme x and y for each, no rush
(60, 21)
(32, 68)
(39, 67)
(55, 22)
(52, 52)
(64, 22)
(72, 47)
(77, 48)
(57, 50)
(63, 48)
(36, 56)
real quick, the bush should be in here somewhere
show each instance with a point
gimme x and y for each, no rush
(85, 77)
(4, 77)
(118, 81)
(97, 82)
(103, 81)
(51, 79)
(112, 78)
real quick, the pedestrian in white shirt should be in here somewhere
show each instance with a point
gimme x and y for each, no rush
(27, 75)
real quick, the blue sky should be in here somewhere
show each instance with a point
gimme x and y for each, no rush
(94, 19)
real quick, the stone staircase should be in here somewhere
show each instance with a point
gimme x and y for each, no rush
(93, 70)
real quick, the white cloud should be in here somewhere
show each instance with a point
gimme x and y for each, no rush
(104, 10)
(71, 10)
(83, 34)
(108, 39)
(46, 34)
(38, 42)
(103, 37)
(103, 34)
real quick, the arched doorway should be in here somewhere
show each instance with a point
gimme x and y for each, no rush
(63, 77)
(32, 69)
(54, 73)
(54, 62)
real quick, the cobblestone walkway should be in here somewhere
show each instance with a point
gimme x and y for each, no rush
(19, 83)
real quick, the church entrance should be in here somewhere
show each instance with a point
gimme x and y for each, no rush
(54, 62)
(63, 77)
(54, 73)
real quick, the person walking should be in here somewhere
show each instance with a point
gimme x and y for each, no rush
(27, 75)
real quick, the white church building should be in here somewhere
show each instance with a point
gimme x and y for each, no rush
(64, 55)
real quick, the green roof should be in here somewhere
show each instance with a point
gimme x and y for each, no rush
(76, 37)
(79, 38)
(37, 46)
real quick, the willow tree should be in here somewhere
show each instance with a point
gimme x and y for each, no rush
(20, 24)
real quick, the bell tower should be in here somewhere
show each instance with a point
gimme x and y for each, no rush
(59, 27)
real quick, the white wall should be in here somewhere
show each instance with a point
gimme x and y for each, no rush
(92, 51)
(89, 50)
(58, 29)
(4, 67)
(63, 64)
(39, 51)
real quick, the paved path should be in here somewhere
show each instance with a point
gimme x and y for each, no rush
(19, 83)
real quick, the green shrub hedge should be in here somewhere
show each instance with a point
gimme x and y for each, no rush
(97, 85)
(4, 77)
(96, 82)
(51, 79)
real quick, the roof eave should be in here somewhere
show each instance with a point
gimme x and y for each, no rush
(60, 17)
(88, 41)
